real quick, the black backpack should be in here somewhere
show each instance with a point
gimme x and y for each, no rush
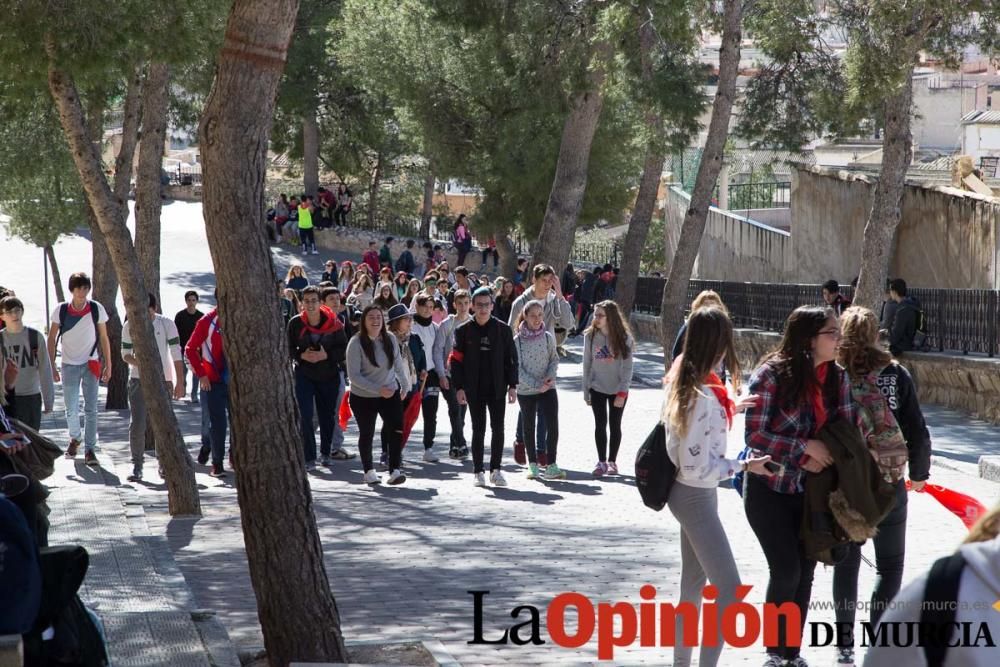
(940, 596)
(654, 471)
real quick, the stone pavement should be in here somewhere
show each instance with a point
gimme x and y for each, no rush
(133, 582)
(401, 559)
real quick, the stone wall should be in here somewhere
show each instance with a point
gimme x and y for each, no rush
(355, 242)
(947, 238)
(968, 384)
(733, 248)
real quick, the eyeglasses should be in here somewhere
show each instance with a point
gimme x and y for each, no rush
(834, 333)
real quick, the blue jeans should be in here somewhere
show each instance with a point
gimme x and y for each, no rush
(72, 377)
(215, 404)
(322, 396)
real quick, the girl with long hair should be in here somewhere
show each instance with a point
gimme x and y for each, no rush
(412, 289)
(346, 277)
(504, 299)
(608, 355)
(379, 384)
(361, 295)
(698, 413)
(799, 388)
(462, 239)
(296, 278)
(880, 386)
(538, 363)
(385, 297)
(401, 283)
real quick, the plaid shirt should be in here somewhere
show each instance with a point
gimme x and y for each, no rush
(782, 432)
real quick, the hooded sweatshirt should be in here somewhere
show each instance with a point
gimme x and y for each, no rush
(904, 325)
(558, 312)
(328, 334)
(979, 587)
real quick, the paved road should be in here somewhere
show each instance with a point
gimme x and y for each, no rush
(401, 559)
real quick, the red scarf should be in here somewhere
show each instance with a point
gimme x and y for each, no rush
(816, 395)
(331, 323)
(722, 394)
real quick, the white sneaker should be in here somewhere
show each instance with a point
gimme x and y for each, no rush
(397, 477)
(430, 456)
(480, 479)
(371, 477)
(497, 478)
(315, 252)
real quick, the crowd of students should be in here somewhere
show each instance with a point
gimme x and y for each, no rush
(487, 345)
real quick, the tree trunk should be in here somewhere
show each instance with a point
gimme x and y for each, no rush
(508, 254)
(298, 614)
(649, 184)
(310, 152)
(373, 189)
(880, 230)
(555, 240)
(56, 278)
(693, 227)
(182, 491)
(148, 188)
(428, 209)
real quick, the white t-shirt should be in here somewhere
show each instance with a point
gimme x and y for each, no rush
(168, 344)
(79, 335)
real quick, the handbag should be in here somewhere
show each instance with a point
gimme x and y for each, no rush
(654, 471)
(40, 454)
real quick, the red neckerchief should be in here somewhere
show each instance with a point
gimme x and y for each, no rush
(816, 395)
(331, 324)
(78, 313)
(722, 394)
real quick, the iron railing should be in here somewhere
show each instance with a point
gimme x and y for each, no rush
(957, 320)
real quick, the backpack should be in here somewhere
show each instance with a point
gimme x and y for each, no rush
(33, 344)
(878, 425)
(654, 471)
(94, 315)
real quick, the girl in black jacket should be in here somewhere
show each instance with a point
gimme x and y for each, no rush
(867, 364)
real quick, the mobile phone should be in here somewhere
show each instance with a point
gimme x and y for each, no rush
(12, 443)
(772, 467)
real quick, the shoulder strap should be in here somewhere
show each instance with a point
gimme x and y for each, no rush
(33, 337)
(940, 596)
(95, 316)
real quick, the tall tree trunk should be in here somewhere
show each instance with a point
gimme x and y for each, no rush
(507, 252)
(310, 152)
(148, 199)
(649, 184)
(555, 240)
(887, 204)
(693, 227)
(373, 187)
(182, 491)
(298, 614)
(427, 212)
(56, 278)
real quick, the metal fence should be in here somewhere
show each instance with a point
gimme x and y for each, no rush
(957, 320)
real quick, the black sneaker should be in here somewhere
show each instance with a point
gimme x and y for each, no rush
(90, 458)
(203, 454)
(217, 471)
(72, 448)
(13, 485)
(463, 452)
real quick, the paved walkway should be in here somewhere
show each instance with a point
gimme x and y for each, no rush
(401, 559)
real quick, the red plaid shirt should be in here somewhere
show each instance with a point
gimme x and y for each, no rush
(782, 432)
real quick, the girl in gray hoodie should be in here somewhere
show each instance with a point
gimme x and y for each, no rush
(538, 362)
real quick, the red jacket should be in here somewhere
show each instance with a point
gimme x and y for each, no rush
(371, 259)
(204, 349)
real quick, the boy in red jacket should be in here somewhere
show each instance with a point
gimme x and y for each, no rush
(207, 358)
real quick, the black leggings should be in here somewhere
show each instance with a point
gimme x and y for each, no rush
(391, 411)
(601, 404)
(890, 550)
(477, 409)
(776, 519)
(548, 404)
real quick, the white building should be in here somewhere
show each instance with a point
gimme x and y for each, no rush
(981, 134)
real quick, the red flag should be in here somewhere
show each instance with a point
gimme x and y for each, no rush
(345, 411)
(412, 411)
(966, 508)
